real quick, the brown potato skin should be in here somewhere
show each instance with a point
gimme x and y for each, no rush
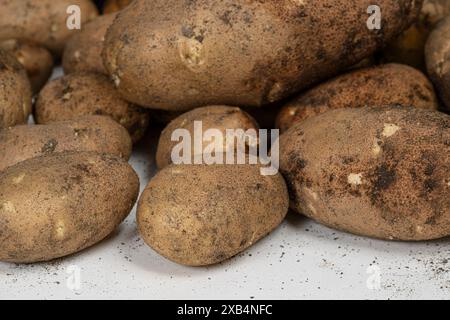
(85, 93)
(389, 84)
(437, 53)
(56, 205)
(89, 133)
(115, 5)
(244, 53)
(84, 49)
(377, 172)
(15, 91)
(228, 209)
(41, 21)
(212, 117)
(37, 61)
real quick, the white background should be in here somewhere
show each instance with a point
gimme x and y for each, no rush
(299, 260)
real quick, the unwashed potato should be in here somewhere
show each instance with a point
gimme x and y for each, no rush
(212, 117)
(89, 133)
(56, 205)
(83, 50)
(179, 55)
(200, 215)
(437, 52)
(378, 172)
(15, 91)
(85, 93)
(408, 48)
(37, 60)
(390, 84)
(42, 21)
(115, 5)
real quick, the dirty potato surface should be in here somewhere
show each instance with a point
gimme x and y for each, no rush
(15, 91)
(385, 85)
(200, 215)
(437, 53)
(179, 55)
(85, 93)
(56, 205)
(42, 21)
(89, 133)
(83, 50)
(379, 172)
(212, 117)
(37, 61)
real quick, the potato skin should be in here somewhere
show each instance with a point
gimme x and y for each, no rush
(437, 53)
(89, 133)
(15, 91)
(115, 5)
(56, 205)
(83, 50)
(212, 117)
(389, 84)
(228, 209)
(378, 172)
(85, 93)
(42, 21)
(37, 61)
(244, 53)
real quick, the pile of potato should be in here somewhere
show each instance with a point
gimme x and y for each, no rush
(365, 144)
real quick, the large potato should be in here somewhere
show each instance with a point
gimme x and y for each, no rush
(56, 205)
(115, 5)
(437, 52)
(390, 84)
(42, 21)
(200, 215)
(83, 50)
(85, 93)
(15, 91)
(212, 117)
(178, 55)
(37, 61)
(379, 172)
(90, 133)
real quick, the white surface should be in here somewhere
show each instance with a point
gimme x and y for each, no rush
(300, 260)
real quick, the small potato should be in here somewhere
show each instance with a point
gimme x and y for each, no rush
(180, 55)
(80, 94)
(89, 133)
(390, 84)
(212, 117)
(378, 172)
(15, 91)
(37, 61)
(83, 50)
(56, 205)
(43, 21)
(200, 215)
(437, 52)
(115, 5)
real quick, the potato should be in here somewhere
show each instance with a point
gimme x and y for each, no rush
(56, 205)
(83, 93)
(89, 133)
(179, 55)
(408, 48)
(437, 52)
(42, 21)
(37, 61)
(212, 117)
(378, 172)
(390, 84)
(83, 50)
(115, 5)
(200, 215)
(15, 91)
